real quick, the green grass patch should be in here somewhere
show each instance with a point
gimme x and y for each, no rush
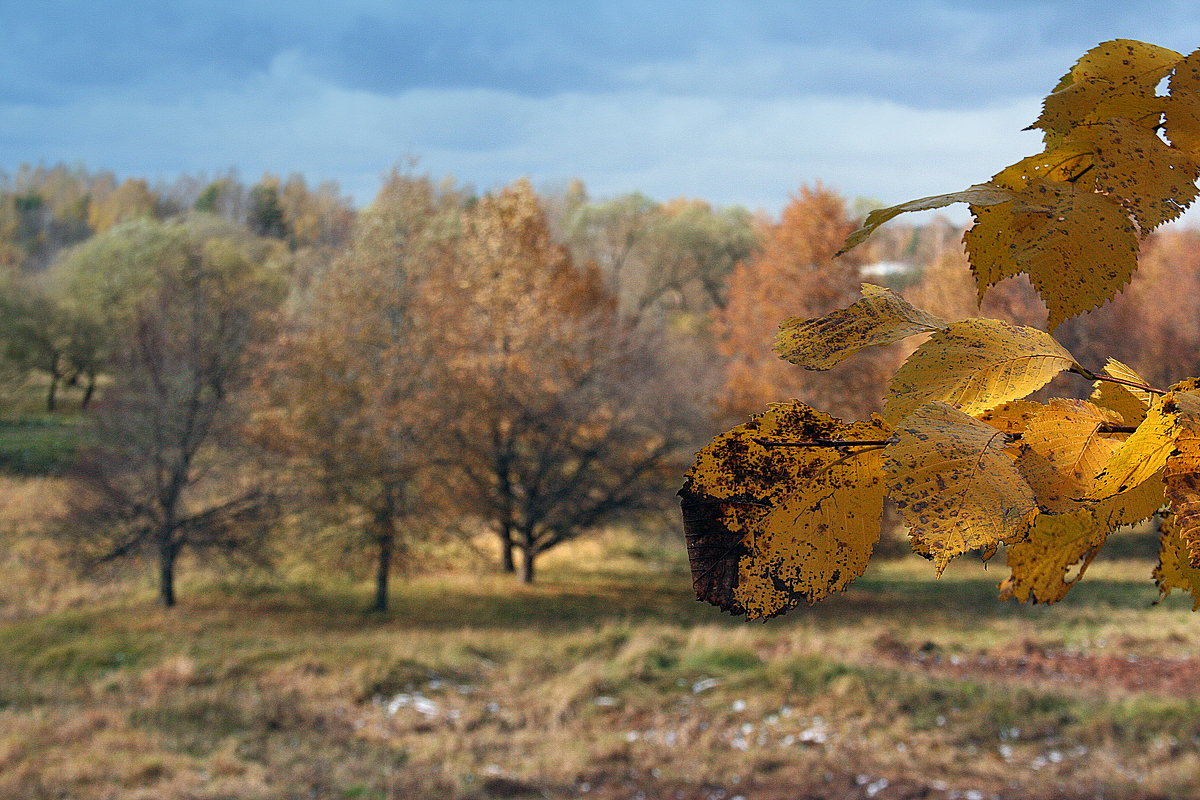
(38, 445)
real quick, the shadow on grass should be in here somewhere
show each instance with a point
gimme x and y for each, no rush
(561, 603)
(276, 623)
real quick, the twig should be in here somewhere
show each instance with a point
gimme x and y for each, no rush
(1100, 376)
(827, 443)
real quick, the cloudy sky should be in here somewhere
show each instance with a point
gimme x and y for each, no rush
(735, 102)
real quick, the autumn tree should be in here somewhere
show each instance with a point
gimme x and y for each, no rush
(44, 210)
(183, 300)
(794, 274)
(347, 392)
(563, 421)
(785, 508)
(131, 200)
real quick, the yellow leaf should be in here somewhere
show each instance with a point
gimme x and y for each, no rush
(1146, 450)
(981, 194)
(743, 492)
(1059, 541)
(1154, 181)
(1132, 506)
(816, 541)
(955, 485)
(990, 244)
(1182, 121)
(1130, 402)
(880, 317)
(975, 365)
(1187, 385)
(1012, 417)
(1078, 247)
(1040, 563)
(1065, 161)
(1113, 79)
(1079, 254)
(1182, 480)
(1174, 570)
(1063, 449)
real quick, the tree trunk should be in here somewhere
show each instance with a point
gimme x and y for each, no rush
(506, 550)
(383, 571)
(528, 553)
(88, 391)
(385, 537)
(166, 571)
(52, 394)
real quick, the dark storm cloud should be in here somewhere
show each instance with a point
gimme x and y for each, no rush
(733, 101)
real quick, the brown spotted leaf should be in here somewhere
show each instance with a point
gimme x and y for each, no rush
(1113, 79)
(990, 245)
(1154, 181)
(1013, 417)
(1078, 247)
(1068, 160)
(981, 194)
(1174, 570)
(816, 541)
(1182, 121)
(1063, 449)
(750, 499)
(955, 484)
(976, 365)
(880, 317)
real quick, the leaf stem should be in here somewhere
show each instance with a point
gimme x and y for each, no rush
(1100, 376)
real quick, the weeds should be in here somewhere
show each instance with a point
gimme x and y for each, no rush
(599, 682)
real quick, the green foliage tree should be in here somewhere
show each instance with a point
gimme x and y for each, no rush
(659, 260)
(785, 508)
(266, 216)
(39, 333)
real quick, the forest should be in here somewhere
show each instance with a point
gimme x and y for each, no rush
(289, 417)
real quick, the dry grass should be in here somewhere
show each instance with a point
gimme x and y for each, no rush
(604, 680)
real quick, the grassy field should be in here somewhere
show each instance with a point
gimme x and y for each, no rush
(604, 680)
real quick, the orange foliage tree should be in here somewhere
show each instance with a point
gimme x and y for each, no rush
(794, 275)
(563, 422)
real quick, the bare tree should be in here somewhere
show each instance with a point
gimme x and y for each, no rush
(162, 473)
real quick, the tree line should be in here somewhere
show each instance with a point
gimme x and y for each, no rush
(517, 365)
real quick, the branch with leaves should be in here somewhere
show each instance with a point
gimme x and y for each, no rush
(786, 508)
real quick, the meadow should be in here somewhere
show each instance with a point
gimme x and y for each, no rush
(605, 679)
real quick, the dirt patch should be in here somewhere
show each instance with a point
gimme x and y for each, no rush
(1107, 671)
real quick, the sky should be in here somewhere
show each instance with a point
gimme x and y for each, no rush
(738, 103)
